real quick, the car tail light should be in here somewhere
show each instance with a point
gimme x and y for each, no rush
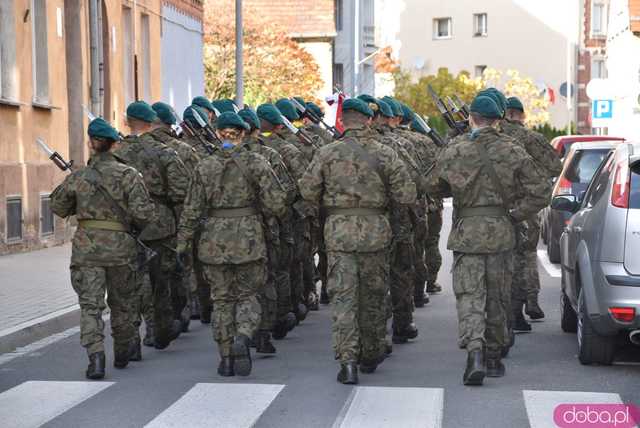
(623, 314)
(563, 187)
(621, 186)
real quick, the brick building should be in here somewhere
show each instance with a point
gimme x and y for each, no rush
(56, 56)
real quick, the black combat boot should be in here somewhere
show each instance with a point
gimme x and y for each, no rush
(495, 368)
(176, 330)
(418, 301)
(348, 374)
(403, 334)
(519, 323)
(511, 341)
(205, 314)
(324, 296)
(263, 343)
(433, 287)
(121, 355)
(533, 309)
(95, 369)
(185, 319)
(369, 365)
(301, 312)
(312, 301)
(149, 337)
(135, 353)
(475, 372)
(241, 355)
(284, 325)
(195, 307)
(225, 368)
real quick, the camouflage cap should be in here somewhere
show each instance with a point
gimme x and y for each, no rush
(358, 105)
(287, 108)
(485, 106)
(141, 111)
(203, 102)
(271, 114)
(250, 116)
(164, 113)
(99, 128)
(229, 119)
(224, 105)
(513, 103)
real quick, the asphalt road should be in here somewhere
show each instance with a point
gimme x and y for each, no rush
(420, 385)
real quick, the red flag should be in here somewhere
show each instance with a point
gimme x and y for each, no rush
(334, 113)
(552, 95)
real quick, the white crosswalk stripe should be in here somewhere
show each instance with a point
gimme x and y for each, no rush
(218, 405)
(379, 407)
(541, 404)
(34, 403)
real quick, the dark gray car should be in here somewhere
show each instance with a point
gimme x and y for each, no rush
(600, 256)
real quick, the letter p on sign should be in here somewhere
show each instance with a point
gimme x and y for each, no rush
(603, 109)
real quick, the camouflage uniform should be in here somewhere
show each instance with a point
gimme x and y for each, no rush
(103, 259)
(483, 234)
(167, 180)
(232, 244)
(357, 235)
(326, 137)
(527, 285)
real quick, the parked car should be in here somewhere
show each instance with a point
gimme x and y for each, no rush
(580, 164)
(563, 143)
(600, 251)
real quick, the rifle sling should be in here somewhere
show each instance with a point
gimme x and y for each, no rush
(493, 176)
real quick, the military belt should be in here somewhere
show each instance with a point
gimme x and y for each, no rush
(488, 211)
(233, 212)
(103, 225)
(356, 211)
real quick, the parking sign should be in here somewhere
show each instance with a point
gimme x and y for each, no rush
(601, 113)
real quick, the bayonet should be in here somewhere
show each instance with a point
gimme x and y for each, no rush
(297, 132)
(305, 111)
(437, 139)
(54, 156)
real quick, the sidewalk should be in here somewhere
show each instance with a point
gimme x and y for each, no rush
(36, 297)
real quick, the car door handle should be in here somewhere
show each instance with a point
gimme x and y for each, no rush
(577, 229)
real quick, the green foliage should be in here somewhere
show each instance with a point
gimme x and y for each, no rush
(550, 132)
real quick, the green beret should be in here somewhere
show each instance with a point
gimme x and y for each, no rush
(417, 126)
(385, 109)
(300, 100)
(250, 116)
(224, 105)
(203, 102)
(164, 113)
(372, 102)
(358, 105)
(271, 114)
(229, 119)
(485, 106)
(496, 96)
(287, 109)
(141, 111)
(395, 106)
(515, 104)
(189, 112)
(407, 113)
(99, 128)
(313, 107)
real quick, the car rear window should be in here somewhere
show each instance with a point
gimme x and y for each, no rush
(634, 196)
(584, 164)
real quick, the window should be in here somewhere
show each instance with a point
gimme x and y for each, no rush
(146, 58)
(480, 24)
(338, 75)
(14, 218)
(599, 184)
(479, 70)
(442, 28)
(127, 59)
(598, 19)
(338, 12)
(598, 69)
(40, 52)
(8, 83)
(47, 223)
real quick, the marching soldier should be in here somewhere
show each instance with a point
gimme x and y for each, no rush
(110, 202)
(494, 184)
(208, 107)
(312, 126)
(354, 180)
(231, 189)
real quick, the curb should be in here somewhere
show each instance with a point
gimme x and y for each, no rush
(39, 328)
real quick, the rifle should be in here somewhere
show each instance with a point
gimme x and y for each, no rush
(431, 132)
(455, 109)
(55, 156)
(92, 117)
(461, 105)
(306, 139)
(184, 125)
(210, 133)
(458, 127)
(306, 112)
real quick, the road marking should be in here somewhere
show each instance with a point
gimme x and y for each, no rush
(34, 403)
(219, 405)
(541, 404)
(378, 407)
(24, 350)
(552, 269)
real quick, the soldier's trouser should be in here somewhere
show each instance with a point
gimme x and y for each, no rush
(180, 286)
(268, 295)
(526, 284)
(234, 292)
(402, 283)
(162, 274)
(432, 256)
(482, 286)
(203, 289)
(283, 280)
(120, 284)
(143, 305)
(300, 254)
(420, 236)
(357, 284)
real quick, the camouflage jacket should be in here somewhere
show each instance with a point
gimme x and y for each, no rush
(326, 137)
(165, 176)
(410, 147)
(218, 183)
(340, 177)
(426, 148)
(536, 146)
(459, 171)
(308, 150)
(78, 196)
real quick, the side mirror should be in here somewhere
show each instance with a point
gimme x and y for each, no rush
(565, 203)
(581, 196)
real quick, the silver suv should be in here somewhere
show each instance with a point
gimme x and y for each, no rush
(600, 256)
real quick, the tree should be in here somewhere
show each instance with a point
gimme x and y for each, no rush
(274, 65)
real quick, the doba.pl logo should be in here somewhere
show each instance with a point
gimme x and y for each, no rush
(596, 416)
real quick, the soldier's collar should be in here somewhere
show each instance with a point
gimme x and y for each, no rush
(101, 157)
(266, 134)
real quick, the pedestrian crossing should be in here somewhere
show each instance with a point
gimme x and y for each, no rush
(226, 405)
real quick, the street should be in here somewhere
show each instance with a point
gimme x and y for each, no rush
(419, 385)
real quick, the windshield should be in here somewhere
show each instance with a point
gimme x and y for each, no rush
(584, 164)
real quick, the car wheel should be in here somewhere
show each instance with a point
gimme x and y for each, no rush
(568, 317)
(592, 347)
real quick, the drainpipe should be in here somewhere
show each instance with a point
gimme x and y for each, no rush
(94, 41)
